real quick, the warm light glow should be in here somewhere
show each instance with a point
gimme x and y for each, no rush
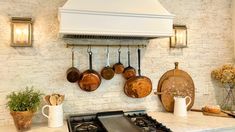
(21, 32)
(179, 38)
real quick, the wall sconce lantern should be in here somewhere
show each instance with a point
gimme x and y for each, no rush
(21, 31)
(179, 38)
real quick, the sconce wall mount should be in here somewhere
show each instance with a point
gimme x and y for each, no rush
(180, 37)
(21, 31)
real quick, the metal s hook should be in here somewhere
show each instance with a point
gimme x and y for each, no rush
(89, 49)
(72, 49)
(119, 49)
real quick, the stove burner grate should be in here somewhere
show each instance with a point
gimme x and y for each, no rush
(86, 127)
(147, 123)
(85, 123)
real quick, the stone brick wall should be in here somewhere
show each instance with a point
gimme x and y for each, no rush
(44, 65)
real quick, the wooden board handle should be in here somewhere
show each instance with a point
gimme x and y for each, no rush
(197, 110)
(176, 65)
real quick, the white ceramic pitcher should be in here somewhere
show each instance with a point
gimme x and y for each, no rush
(55, 115)
(180, 106)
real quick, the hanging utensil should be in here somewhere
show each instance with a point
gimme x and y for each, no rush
(139, 86)
(89, 80)
(107, 72)
(129, 71)
(72, 73)
(118, 67)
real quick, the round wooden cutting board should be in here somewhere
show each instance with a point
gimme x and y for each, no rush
(176, 85)
(175, 82)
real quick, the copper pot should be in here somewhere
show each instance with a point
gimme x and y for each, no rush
(107, 72)
(138, 86)
(129, 71)
(118, 67)
(72, 73)
(89, 80)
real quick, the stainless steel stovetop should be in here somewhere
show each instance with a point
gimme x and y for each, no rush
(115, 121)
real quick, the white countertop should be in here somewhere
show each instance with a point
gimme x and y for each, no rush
(194, 122)
(42, 127)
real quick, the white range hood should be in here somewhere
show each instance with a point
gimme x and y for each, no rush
(125, 18)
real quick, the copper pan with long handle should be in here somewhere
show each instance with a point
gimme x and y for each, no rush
(138, 86)
(72, 73)
(129, 71)
(118, 67)
(90, 79)
(107, 72)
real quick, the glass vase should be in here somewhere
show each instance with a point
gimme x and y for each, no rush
(228, 101)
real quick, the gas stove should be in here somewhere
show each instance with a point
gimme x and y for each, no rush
(115, 121)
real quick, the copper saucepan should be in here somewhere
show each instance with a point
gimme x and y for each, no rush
(139, 86)
(107, 72)
(129, 71)
(89, 80)
(72, 73)
(118, 67)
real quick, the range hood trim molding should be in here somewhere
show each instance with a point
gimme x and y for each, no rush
(115, 23)
(111, 33)
(88, 12)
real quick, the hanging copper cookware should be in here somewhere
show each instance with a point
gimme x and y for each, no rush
(129, 71)
(107, 72)
(138, 86)
(72, 73)
(89, 80)
(175, 82)
(118, 67)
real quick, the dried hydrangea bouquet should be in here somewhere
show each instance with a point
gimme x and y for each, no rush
(226, 75)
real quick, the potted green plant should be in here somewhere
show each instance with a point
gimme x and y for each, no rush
(22, 105)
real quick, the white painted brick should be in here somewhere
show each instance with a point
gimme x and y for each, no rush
(44, 65)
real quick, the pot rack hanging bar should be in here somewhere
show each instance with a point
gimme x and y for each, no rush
(105, 45)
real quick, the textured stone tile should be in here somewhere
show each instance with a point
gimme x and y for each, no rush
(44, 65)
